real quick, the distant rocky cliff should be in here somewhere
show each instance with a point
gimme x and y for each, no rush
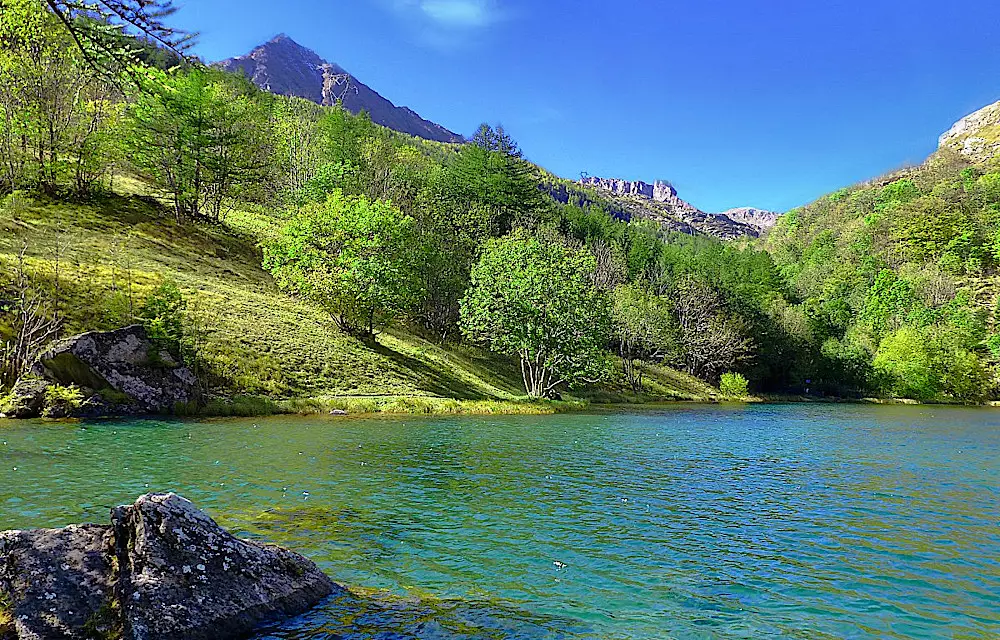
(659, 202)
(977, 135)
(759, 218)
(285, 67)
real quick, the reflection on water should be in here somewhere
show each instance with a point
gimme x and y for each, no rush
(693, 522)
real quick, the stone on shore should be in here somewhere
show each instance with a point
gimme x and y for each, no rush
(119, 372)
(163, 570)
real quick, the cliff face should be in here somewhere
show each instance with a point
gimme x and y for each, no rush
(977, 135)
(759, 218)
(287, 68)
(659, 202)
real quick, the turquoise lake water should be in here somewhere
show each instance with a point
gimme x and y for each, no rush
(804, 521)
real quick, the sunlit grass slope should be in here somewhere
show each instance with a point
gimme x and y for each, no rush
(101, 258)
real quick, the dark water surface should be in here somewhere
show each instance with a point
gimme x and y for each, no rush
(692, 522)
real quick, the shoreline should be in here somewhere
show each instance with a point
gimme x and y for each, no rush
(368, 406)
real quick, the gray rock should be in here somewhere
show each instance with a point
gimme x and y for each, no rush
(120, 372)
(758, 218)
(59, 582)
(977, 135)
(184, 577)
(27, 398)
(163, 570)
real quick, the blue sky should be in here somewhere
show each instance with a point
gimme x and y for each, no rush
(766, 103)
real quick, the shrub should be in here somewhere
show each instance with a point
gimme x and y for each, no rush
(61, 402)
(734, 385)
(6, 616)
(905, 365)
(162, 313)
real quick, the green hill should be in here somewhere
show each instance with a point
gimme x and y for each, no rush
(99, 260)
(899, 278)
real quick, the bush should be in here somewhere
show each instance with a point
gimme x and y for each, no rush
(62, 402)
(162, 314)
(905, 366)
(734, 385)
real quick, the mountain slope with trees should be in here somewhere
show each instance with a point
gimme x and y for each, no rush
(898, 277)
(288, 250)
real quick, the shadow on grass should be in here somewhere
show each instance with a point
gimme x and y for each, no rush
(427, 378)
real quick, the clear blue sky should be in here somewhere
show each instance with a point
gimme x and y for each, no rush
(766, 103)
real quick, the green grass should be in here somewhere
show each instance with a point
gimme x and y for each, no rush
(6, 617)
(268, 352)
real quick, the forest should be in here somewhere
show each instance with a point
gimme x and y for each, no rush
(884, 289)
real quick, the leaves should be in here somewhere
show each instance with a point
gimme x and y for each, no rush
(354, 257)
(534, 300)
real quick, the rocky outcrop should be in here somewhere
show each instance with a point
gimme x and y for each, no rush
(285, 67)
(659, 191)
(162, 570)
(660, 203)
(759, 218)
(119, 372)
(977, 135)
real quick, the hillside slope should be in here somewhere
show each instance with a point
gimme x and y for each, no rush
(101, 258)
(285, 67)
(900, 275)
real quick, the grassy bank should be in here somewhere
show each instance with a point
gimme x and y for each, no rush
(265, 351)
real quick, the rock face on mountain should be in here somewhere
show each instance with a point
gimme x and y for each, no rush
(119, 372)
(162, 570)
(977, 135)
(759, 218)
(285, 67)
(659, 202)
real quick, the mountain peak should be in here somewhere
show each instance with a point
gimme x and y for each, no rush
(285, 67)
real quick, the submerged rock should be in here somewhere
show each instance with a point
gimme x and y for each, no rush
(162, 570)
(119, 372)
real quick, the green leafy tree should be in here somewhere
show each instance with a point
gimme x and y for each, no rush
(100, 28)
(491, 177)
(202, 136)
(55, 114)
(534, 300)
(906, 364)
(644, 329)
(354, 257)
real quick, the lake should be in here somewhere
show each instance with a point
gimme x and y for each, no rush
(761, 521)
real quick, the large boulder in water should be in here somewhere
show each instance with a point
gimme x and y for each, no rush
(162, 570)
(119, 372)
(184, 577)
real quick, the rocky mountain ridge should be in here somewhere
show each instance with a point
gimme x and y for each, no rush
(285, 67)
(658, 201)
(977, 135)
